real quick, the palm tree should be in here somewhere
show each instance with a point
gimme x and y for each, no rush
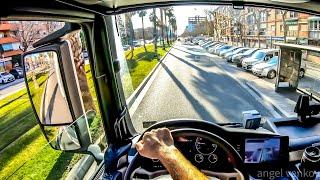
(173, 24)
(170, 15)
(142, 14)
(165, 23)
(153, 18)
(130, 32)
(161, 25)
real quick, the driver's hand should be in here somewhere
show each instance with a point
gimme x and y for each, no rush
(154, 143)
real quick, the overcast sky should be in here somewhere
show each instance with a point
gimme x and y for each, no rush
(181, 12)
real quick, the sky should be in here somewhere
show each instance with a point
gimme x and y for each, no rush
(181, 12)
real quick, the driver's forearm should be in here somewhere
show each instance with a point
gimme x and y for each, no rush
(178, 166)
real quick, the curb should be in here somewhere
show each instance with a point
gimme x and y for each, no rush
(267, 100)
(136, 93)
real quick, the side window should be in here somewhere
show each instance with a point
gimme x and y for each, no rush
(24, 151)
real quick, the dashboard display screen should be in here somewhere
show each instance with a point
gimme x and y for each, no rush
(262, 150)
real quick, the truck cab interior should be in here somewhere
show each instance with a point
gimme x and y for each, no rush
(255, 148)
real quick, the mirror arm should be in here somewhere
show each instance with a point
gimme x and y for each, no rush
(96, 152)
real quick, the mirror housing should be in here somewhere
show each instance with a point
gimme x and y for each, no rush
(52, 83)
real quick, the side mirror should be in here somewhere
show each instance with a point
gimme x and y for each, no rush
(55, 95)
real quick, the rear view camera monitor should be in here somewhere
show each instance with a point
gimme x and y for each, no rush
(262, 150)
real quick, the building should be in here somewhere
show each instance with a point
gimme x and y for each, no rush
(194, 21)
(9, 46)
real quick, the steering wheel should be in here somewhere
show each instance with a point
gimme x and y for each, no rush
(186, 130)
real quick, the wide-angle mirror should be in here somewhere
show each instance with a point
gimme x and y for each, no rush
(46, 89)
(67, 138)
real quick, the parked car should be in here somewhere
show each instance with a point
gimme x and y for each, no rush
(206, 43)
(239, 57)
(223, 47)
(269, 69)
(6, 77)
(224, 52)
(266, 69)
(16, 73)
(229, 55)
(210, 45)
(213, 48)
(258, 57)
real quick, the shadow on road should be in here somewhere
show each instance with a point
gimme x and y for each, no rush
(194, 102)
(221, 91)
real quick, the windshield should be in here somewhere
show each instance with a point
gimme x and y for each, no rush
(249, 51)
(165, 72)
(273, 60)
(259, 55)
(175, 75)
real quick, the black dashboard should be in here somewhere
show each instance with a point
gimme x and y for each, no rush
(254, 151)
(259, 150)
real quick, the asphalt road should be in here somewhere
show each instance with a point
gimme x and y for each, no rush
(189, 86)
(9, 88)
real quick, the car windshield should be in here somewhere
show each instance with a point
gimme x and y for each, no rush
(259, 55)
(249, 51)
(238, 50)
(273, 60)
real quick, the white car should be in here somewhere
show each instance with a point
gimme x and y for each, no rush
(266, 69)
(6, 77)
(259, 56)
(269, 69)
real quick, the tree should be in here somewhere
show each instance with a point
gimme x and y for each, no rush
(173, 28)
(30, 31)
(161, 26)
(257, 14)
(142, 14)
(165, 22)
(130, 32)
(170, 16)
(153, 19)
(284, 24)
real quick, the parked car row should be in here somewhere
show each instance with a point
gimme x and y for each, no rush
(12, 75)
(261, 62)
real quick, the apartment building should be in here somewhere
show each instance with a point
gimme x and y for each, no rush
(194, 21)
(9, 45)
(297, 27)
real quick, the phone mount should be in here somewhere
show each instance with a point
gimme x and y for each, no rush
(304, 109)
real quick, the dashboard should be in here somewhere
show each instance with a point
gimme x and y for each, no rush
(258, 151)
(201, 152)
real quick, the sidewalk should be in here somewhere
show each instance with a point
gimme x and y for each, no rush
(282, 102)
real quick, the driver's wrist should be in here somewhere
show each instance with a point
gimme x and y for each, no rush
(166, 151)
